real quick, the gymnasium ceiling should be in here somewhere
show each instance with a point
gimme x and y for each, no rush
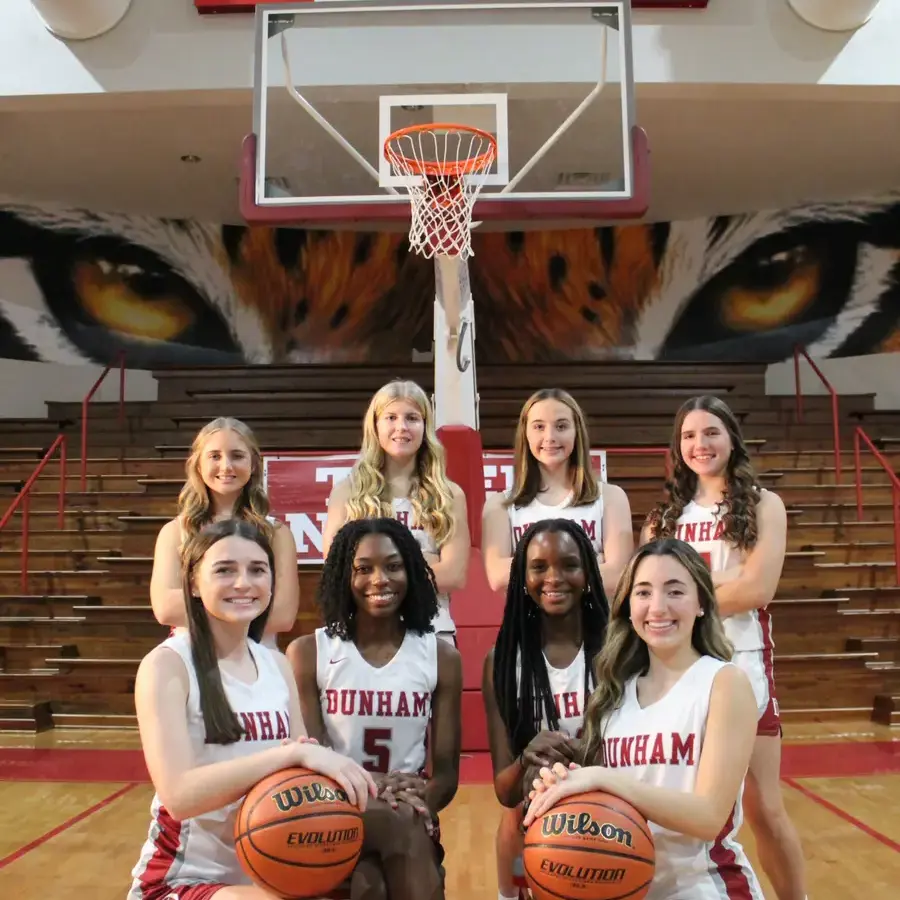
(718, 150)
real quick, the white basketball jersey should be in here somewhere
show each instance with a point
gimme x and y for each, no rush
(589, 517)
(403, 512)
(201, 849)
(377, 716)
(569, 694)
(661, 745)
(700, 527)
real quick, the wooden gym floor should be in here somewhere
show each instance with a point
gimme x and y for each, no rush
(72, 822)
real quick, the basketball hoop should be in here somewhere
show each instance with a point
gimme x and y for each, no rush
(439, 161)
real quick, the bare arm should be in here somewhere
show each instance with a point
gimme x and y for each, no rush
(446, 729)
(509, 773)
(755, 583)
(451, 566)
(188, 790)
(286, 601)
(166, 593)
(618, 537)
(301, 657)
(702, 813)
(337, 513)
(496, 542)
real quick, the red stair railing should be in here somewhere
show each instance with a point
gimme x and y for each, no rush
(835, 420)
(84, 412)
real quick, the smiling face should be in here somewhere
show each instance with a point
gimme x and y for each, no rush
(665, 603)
(401, 429)
(378, 580)
(225, 463)
(705, 444)
(554, 575)
(233, 580)
(550, 431)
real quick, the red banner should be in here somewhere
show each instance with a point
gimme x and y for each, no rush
(298, 486)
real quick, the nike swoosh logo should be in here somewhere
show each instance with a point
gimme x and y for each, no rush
(340, 659)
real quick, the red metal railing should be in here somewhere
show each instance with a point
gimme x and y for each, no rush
(860, 435)
(835, 419)
(22, 500)
(84, 412)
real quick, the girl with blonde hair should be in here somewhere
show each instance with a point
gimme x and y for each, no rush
(669, 728)
(224, 481)
(402, 473)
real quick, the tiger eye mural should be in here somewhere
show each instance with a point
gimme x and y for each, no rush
(78, 286)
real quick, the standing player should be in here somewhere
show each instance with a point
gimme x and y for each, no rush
(553, 478)
(670, 727)
(217, 713)
(715, 503)
(402, 472)
(537, 677)
(373, 681)
(224, 480)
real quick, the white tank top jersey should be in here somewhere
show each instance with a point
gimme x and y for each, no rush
(661, 745)
(201, 849)
(378, 716)
(403, 512)
(589, 517)
(700, 527)
(568, 689)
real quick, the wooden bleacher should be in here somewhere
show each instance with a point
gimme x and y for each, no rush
(70, 647)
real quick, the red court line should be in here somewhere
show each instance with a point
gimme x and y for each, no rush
(842, 814)
(18, 854)
(55, 764)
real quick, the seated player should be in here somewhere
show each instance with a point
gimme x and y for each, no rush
(670, 727)
(224, 480)
(373, 681)
(217, 713)
(537, 678)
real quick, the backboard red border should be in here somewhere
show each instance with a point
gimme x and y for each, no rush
(213, 7)
(487, 208)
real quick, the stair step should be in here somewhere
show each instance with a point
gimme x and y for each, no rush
(25, 716)
(886, 710)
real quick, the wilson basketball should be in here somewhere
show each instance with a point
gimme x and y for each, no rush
(590, 846)
(297, 835)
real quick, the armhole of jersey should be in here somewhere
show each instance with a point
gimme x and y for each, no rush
(320, 637)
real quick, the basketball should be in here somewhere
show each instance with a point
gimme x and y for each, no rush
(590, 846)
(297, 835)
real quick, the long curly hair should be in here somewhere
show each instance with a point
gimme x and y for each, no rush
(525, 701)
(431, 495)
(625, 654)
(194, 506)
(742, 492)
(527, 470)
(335, 596)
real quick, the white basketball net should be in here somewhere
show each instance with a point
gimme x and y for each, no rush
(435, 162)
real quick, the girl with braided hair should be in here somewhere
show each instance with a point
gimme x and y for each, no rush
(374, 682)
(538, 676)
(715, 503)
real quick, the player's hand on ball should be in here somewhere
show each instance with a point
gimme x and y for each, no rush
(352, 777)
(554, 784)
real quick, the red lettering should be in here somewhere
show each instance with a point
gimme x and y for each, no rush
(403, 517)
(284, 726)
(720, 530)
(376, 743)
(690, 532)
(265, 726)
(366, 703)
(402, 706)
(705, 531)
(658, 756)
(420, 703)
(385, 704)
(570, 703)
(590, 529)
(331, 702)
(625, 750)
(706, 556)
(682, 747)
(249, 725)
(348, 702)
(640, 749)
